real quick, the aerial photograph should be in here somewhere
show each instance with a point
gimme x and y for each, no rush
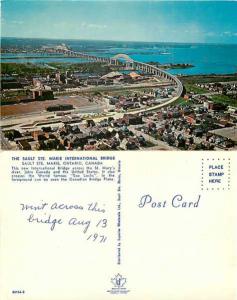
(118, 75)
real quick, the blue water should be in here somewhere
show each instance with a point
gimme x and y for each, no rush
(43, 60)
(206, 58)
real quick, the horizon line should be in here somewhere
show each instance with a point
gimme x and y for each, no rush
(111, 40)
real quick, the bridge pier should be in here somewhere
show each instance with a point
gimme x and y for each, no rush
(129, 65)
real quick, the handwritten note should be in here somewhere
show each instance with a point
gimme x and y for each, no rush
(89, 218)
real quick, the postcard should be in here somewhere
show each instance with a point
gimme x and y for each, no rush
(118, 150)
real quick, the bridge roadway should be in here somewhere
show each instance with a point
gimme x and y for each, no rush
(130, 63)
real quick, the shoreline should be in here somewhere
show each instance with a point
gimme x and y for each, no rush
(86, 62)
(63, 64)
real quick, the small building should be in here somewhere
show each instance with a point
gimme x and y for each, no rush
(134, 75)
(39, 94)
(60, 107)
(113, 101)
(112, 75)
(131, 119)
(9, 82)
(24, 145)
(229, 133)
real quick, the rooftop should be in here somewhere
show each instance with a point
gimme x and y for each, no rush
(227, 132)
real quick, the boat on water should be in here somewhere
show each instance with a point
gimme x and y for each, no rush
(164, 53)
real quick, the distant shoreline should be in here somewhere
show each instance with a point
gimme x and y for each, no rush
(114, 41)
(170, 66)
(36, 57)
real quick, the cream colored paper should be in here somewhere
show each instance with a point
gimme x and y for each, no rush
(168, 253)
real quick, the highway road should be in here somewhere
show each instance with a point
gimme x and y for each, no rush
(115, 87)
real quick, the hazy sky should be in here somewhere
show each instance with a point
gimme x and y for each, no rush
(191, 21)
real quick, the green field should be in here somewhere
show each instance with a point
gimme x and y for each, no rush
(182, 102)
(195, 89)
(224, 99)
(192, 79)
(215, 98)
(24, 69)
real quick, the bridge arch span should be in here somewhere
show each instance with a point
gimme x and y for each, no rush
(138, 66)
(124, 57)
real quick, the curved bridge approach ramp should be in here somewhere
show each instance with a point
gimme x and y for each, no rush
(125, 60)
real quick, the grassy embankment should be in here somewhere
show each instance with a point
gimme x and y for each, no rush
(190, 81)
(215, 98)
(193, 79)
(191, 88)
(224, 99)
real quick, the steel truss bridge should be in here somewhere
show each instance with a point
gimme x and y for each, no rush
(128, 62)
